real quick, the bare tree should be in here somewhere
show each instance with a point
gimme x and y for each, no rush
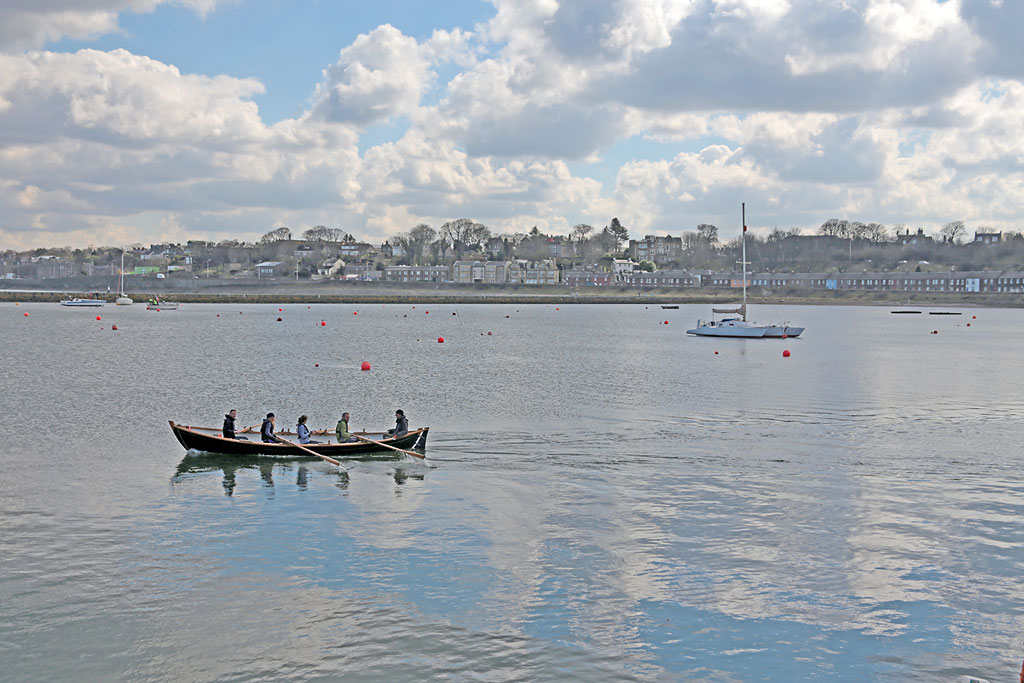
(876, 232)
(276, 235)
(953, 231)
(708, 233)
(418, 239)
(318, 233)
(834, 227)
(463, 233)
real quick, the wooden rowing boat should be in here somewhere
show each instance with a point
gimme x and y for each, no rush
(193, 438)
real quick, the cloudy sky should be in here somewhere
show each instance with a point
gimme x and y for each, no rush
(150, 120)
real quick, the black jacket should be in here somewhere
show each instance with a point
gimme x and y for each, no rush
(229, 427)
(401, 426)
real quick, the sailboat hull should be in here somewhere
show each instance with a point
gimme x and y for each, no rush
(779, 331)
(728, 331)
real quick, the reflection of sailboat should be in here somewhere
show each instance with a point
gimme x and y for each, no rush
(122, 298)
(741, 327)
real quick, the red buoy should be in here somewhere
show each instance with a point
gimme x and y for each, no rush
(365, 365)
(99, 318)
(440, 340)
(26, 315)
(218, 315)
(355, 312)
(974, 317)
(323, 323)
(666, 322)
(427, 312)
(785, 354)
(556, 308)
(316, 365)
(968, 324)
(489, 334)
(114, 327)
(278, 320)
(716, 353)
(785, 336)
(279, 310)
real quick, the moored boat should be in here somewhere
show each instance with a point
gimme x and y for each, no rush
(740, 327)
(83, 303)
(193, 438)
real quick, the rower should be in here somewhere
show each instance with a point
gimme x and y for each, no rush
(344, 436)
(303, 431)
(267, 429)
(401, 425)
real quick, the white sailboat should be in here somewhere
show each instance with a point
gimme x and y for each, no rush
(122, 298)
(741, 327)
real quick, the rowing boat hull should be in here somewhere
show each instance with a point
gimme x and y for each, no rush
(210, 443)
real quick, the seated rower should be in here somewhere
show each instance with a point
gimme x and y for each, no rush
(344, 436)
(229, 426)
(303, 431)
(267, 430)
(401, 425)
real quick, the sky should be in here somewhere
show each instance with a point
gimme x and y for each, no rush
(126, 121)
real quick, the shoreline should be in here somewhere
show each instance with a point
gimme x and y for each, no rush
(650, 297)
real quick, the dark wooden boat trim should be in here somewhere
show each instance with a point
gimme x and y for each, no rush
(209, 443)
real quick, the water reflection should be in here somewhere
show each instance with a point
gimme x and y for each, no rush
(229, 466)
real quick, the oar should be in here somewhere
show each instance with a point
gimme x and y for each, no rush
(311, 452)
(400, 450)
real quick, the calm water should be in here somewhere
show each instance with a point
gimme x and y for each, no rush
(611, 499)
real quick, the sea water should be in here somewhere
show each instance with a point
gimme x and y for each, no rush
(610, 499)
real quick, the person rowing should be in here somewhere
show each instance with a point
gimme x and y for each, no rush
(229, 426)
(401, 425)
(344, 436)
(267, 430)
(303, 431)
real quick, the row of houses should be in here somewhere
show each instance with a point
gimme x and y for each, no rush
(518, 272)
(967, 282)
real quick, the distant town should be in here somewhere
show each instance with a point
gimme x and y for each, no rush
(843, 255)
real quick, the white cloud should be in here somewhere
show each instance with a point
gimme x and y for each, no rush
(31, 23)
(888, 110)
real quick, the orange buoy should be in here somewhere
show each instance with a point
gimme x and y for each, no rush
(99, 318)
(114, 327)
(440, 340)
(365, 365)
(785, 354)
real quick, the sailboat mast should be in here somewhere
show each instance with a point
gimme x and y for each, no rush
(744, 238)
(120, 285)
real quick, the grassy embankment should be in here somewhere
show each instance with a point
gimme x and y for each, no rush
(559, 295)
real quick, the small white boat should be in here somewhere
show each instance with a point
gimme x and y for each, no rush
(122, 298)
(156, 305)
(84, 303)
